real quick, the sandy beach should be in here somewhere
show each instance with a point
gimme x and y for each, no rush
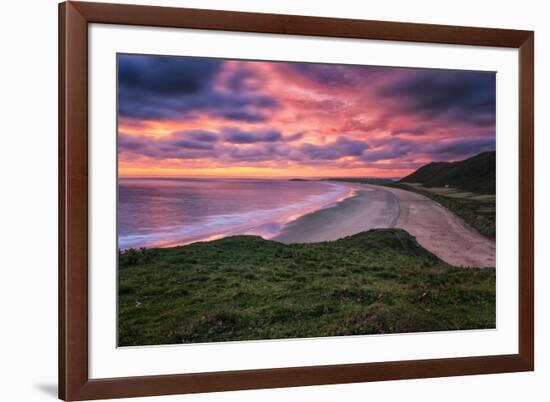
(435, 228)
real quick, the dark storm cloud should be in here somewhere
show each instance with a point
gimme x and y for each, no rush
(198, 135)
(438, 151)
(392, 150)
(413, 130)
(163, 75)
(159, 87)
(164, 148)
(238, 136)
(132, 144)
(255, 153)
(192, 144)
(201, 143)
(458, 96)
(456, 149)
(234, 145)
(243, 115)
(357, 125)
(243, 79)
(335, 75)
(335, 150)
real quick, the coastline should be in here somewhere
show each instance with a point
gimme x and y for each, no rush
(367, 209)
(359, 209)
(266, 223)
(375, 207)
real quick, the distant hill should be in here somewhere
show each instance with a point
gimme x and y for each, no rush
(367, 180)
(476, 174)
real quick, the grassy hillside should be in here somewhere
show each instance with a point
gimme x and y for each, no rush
(245, 288)
(476, 174)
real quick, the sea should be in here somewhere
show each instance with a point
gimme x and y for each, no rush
(170, 212)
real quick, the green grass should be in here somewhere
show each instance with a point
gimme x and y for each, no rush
(247, 288)
(476, 210)
(475, 174)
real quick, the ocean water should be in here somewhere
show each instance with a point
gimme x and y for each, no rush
(170, 212)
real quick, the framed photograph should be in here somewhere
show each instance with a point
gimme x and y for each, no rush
(258, 201)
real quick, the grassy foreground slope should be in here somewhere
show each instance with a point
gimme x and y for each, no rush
(246, 288)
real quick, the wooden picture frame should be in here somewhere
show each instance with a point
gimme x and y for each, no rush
(74, 381)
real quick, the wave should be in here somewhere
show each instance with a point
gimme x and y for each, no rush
(267, 223)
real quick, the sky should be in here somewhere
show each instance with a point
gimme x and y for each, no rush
(202, 117)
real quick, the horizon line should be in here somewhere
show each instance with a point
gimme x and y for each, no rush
(260, 177)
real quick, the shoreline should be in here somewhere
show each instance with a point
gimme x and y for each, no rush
(365, 207)
(376, 207)
(365, 210)
(267, 227)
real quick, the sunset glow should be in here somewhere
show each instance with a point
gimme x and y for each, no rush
(196, 117)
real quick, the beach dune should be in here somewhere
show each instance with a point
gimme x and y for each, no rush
(374, 207)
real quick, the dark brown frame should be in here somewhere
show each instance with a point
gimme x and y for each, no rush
(74, 383)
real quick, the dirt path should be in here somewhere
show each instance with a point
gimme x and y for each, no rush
(442, 232)
(436, 228)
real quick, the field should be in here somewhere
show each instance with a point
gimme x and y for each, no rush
(247, 288)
